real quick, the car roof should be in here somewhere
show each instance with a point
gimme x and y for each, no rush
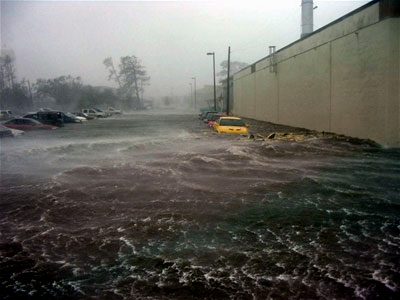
(23, 119)
(234, 118)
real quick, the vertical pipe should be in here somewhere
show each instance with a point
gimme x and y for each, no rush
(307, 23)
(228, 81)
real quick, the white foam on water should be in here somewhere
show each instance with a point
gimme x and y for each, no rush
(382, 278)
(129, 244)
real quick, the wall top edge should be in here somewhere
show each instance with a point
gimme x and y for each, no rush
(346, 16)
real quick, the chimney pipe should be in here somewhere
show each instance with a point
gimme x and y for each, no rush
(307, 18)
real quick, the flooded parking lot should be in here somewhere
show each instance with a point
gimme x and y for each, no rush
(155, 207)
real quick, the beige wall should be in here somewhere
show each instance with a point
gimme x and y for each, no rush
(343, 79)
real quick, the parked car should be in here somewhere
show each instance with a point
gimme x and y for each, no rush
(27, 124)
(213, 118)
(82, 119)
(17, 132)
(105, 113)
(231, 125)
(113, 111)
(5, 132)
(207, 115)
(70, 118)
(93, 113)
(204, 113)
(46, 109)
(83, 115)
(54, 118)
(6, 115)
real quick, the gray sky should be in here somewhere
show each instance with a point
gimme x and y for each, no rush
(54, 38)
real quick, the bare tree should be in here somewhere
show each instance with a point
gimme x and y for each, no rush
(7, 72)
(113, 73)
(131, 77)
(235, 66)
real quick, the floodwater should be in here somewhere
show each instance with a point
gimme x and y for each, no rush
(155, 207)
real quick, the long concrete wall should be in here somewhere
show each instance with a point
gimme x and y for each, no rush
(344, 79)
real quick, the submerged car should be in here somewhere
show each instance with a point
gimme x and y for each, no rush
(5, 132)
(113, 111)
(6, 114)
(82, 119)
(93, 113)
(213, 118)
(105, 113)
(204, 113)
(70, 118)
(83, 115)
(207, 115)
(54, 118)
(231, 125)
(46, 109)
(27, 124)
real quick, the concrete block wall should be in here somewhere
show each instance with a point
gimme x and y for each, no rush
(344, 79)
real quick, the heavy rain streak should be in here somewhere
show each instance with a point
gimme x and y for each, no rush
(153, 206)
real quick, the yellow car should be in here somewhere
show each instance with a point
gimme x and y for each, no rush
(231, 125)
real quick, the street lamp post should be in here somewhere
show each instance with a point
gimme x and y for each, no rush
(191, 92)
(194, 78)
(215, 92)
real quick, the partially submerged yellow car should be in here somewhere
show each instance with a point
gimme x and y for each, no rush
(231, 125)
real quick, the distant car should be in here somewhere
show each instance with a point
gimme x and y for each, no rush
(6, 115)
(70, 118)
(5, 132)
(54, 118)
(46, 109)
(113, 111)
(203, 115)
(231, 125)
(213, 118)
(83, 115)
(105, 113)
(27, 124)
(17, 132)
(82, 119)
(207, 115)
(93, 113)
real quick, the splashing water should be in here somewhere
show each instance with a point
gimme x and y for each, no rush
(150, 207)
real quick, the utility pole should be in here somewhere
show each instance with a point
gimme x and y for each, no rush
(195, 105)
(228, 81)
(191, 93)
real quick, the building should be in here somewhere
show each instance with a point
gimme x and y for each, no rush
(342, 78)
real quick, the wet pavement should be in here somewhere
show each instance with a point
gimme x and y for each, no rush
(155, 206)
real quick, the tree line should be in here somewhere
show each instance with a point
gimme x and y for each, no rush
(70, 93)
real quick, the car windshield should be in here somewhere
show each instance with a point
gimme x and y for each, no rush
(231, 122)
(32, 122)
(207, 115)
(214, 117)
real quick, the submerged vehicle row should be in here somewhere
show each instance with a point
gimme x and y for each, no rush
(221, 123)
(46, 118)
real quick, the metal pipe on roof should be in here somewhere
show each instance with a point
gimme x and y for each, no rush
(307, 17)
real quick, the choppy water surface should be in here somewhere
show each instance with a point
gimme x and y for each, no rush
(151, 207)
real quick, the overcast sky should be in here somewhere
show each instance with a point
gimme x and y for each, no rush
(54, 38)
